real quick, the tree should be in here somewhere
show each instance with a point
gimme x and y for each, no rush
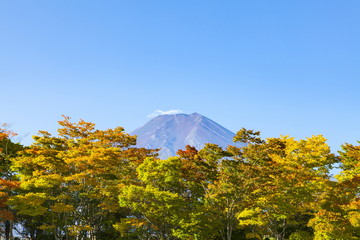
(339, 214)
(289, 175)
(169, 200)
(8, 183)
(155, 202)
(69, 182)
(350, 181)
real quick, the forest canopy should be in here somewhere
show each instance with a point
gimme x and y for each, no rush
(86, 183)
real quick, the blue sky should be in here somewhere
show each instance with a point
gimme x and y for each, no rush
(281, 67)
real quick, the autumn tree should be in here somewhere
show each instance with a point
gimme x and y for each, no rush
(350, 179)
(69, 182)
(86, 183)
(8, 183)
(169, 200)
(290, 176)
(339, 214)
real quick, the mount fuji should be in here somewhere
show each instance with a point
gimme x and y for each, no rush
(173, 132)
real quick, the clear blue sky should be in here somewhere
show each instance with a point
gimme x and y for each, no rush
(281, 67)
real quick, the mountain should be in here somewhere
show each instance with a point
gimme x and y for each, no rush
(174, 132)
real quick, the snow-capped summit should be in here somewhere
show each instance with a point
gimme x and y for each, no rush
(173, 132)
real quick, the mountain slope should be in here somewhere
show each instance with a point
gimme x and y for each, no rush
(174, 132)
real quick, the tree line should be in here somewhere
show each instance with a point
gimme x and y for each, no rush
(86, 183)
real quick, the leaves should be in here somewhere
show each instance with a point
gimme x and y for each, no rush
(87, 183)
(72, 179)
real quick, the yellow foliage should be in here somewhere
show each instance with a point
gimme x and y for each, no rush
(61, 207)
(250, 217)
(30, 203)
(47, 227)
(109, 207)
(76, 229)
(252, 236)
(248, 213)
(354, 218)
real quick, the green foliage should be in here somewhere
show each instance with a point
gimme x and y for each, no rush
(92, 184)
(168, 200)
(301, 235)
(248, 136)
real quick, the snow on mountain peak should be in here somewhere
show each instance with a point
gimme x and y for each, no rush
(171, 132)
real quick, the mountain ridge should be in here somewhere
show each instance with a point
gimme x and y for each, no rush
(172, 132)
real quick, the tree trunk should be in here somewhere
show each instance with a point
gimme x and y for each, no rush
(8, 230)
